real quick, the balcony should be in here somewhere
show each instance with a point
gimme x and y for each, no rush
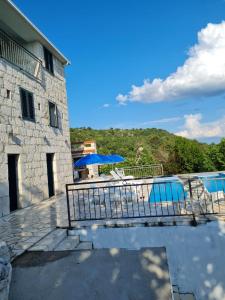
(17, 55)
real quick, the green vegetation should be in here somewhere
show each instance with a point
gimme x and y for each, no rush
(147, 146)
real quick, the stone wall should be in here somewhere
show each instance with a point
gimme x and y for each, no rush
(32, 140)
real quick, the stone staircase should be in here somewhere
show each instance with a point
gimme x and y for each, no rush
(59, 240)
(177, 295)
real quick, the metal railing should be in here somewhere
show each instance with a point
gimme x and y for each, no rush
(17, 55)
(120, 199)
(142, 171)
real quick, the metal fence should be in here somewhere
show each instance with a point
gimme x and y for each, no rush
(142, 198)
(142, 171)
(17, 55)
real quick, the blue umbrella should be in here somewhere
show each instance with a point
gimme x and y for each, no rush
(98, 159)
(115, 158)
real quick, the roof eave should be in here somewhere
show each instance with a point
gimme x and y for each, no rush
(63, 59)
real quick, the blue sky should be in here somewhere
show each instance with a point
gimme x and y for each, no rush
(113, 45)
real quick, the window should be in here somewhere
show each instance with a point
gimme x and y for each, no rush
(53, 115)
(27, 105)
(8, 94)
(48, 60)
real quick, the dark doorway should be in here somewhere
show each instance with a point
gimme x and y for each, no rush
(13, 181)
(50, 172)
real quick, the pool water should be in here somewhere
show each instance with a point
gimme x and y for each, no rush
(167, 189)
(214, 183)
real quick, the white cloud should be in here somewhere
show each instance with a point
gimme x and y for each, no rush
(106, 105)
(194, 128)
(147, 123)
(202, 74)
(163, 121)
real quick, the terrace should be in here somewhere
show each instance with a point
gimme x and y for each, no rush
(127, 217)
(144, 196)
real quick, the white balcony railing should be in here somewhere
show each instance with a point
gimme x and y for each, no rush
(17, 55)
(142, 171)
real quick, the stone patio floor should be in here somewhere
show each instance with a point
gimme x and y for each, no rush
(25, 227)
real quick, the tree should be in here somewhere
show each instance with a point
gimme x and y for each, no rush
(151, 145)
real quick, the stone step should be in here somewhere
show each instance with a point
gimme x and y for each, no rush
(74, 232)
(187, 296)
(84, 246)
(50, 241)
(69, 243)
(177, 295)
(182, 220)
(78, 232)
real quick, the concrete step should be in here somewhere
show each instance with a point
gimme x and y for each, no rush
(69, 243)
(79, 232)
(177, 295)
(183, 220)
(74, 232)
(187, 296)
(84, 246)
(50, 241)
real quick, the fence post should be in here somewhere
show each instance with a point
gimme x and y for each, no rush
(162, 170)
(190, 188)
(68, 207)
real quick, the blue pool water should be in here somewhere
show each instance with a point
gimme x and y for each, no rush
(167, 189)
(214, 183)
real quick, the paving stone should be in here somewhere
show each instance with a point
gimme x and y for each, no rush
(22, 246)
(25, 227)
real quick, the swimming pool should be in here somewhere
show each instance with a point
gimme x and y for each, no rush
(214, 183)
(167, 189)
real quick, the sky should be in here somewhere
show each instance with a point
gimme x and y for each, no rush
(140, 63)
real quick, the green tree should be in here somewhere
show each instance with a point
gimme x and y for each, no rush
(151, 145)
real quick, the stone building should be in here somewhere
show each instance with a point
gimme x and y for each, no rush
(79, 150)
(35, 151)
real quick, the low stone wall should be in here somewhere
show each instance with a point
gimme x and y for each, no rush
(5, 271)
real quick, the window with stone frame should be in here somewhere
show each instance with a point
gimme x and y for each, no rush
(53, 115)
(27, 105)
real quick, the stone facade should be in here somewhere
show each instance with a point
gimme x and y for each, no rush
(31, 141)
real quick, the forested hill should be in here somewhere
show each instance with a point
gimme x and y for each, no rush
(146, 146)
